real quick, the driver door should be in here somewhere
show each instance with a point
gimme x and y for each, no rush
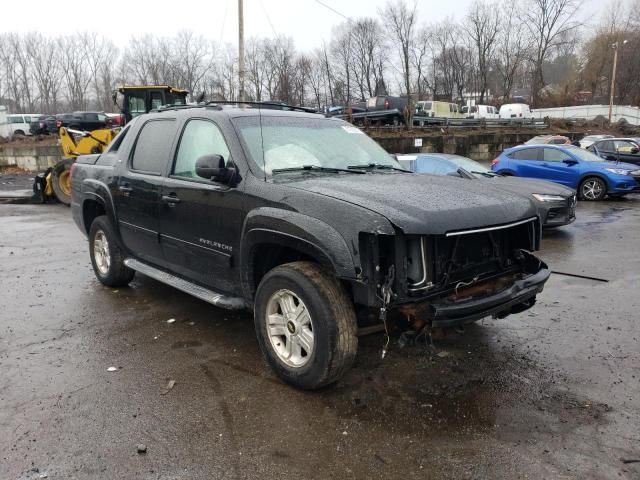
(555, 170)
(200, 219)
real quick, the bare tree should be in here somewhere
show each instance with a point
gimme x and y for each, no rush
(400, 20)
(482, 25)
(512, 49)
(549, 22)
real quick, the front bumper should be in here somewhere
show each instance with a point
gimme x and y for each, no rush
(517, 298)
(623, 184)
(559, 213)
(498, 297)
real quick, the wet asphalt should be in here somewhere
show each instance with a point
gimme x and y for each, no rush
(549, 393)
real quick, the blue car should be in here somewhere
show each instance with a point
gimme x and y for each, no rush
(592, 177)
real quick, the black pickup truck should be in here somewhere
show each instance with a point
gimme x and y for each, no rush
(306, 221)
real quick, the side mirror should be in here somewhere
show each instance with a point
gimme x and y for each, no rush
(635, 150)
(212, 167)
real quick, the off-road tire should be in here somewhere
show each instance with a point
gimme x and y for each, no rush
(332, 315)
(603, 189)
(59, 174)
(118, 274)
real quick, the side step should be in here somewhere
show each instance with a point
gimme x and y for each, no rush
(218, 299)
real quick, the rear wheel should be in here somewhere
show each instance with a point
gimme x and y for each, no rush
(107, 257)
(306, 325)
(61, 180)
(593, 188)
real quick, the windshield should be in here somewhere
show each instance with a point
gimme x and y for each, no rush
(536, 141)
(296, 142)
(585, 155)
(470, 165)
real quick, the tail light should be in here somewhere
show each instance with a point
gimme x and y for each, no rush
(386, 103)
(495, 162)
(121, 120)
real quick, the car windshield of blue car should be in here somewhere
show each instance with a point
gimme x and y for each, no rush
(283, 143)
(585, 155)
(472, 166)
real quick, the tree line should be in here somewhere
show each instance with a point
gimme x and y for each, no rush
(497, 49)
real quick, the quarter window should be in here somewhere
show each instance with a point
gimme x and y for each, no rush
(200, 137)
(152, 146)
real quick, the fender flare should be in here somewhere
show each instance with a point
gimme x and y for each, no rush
(94, 190)
(297, 231)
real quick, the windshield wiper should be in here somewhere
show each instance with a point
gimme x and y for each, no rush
(377, 166)
(486, 174)
(313, 167)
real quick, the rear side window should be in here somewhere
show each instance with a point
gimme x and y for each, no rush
(525, 154)
(607, 146)
(152, 146)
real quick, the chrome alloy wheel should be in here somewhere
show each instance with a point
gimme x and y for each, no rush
(101, 252)
(290, 328)
(592, 190)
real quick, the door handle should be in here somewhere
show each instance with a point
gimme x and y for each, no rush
(170, 199)
(125, 189)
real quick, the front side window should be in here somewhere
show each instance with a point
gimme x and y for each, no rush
(199, 138)
(294, 142)
(553, 155)
(624, 146)
(152, 146)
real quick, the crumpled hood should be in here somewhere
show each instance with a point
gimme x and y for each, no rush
(527, 186)
(423, 204)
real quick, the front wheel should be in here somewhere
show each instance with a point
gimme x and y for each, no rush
(306, 325)
(593, 188)
(107, 257)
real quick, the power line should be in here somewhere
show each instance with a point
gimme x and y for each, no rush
(266, 14)
(333, 10)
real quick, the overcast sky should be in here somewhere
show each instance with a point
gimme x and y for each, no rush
(308, 22)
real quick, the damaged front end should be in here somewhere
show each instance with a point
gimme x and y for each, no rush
(460, 277)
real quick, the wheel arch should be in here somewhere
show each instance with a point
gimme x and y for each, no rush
(272, 237)
(97, 201)
(599, 175)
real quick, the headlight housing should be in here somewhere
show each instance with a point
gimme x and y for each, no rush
(618, 171)
(547, 197)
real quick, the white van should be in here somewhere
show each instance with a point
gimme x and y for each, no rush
(480, 111)
(19, 122)
(515, 110)
(5, 131)
(427, 108)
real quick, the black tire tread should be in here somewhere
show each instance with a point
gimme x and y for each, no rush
(590, 178)
(346, 341)
(119, 275)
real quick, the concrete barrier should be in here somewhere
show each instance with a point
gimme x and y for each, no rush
(33, 158)
(483, 146)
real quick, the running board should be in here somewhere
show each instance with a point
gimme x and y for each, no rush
(215, 298)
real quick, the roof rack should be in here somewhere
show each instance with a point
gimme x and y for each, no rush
(267, 105)
(219, 104)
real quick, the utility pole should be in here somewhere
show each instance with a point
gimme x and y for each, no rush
(613, 76)
(241, 50)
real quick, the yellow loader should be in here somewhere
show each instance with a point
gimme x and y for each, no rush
(132, 101)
